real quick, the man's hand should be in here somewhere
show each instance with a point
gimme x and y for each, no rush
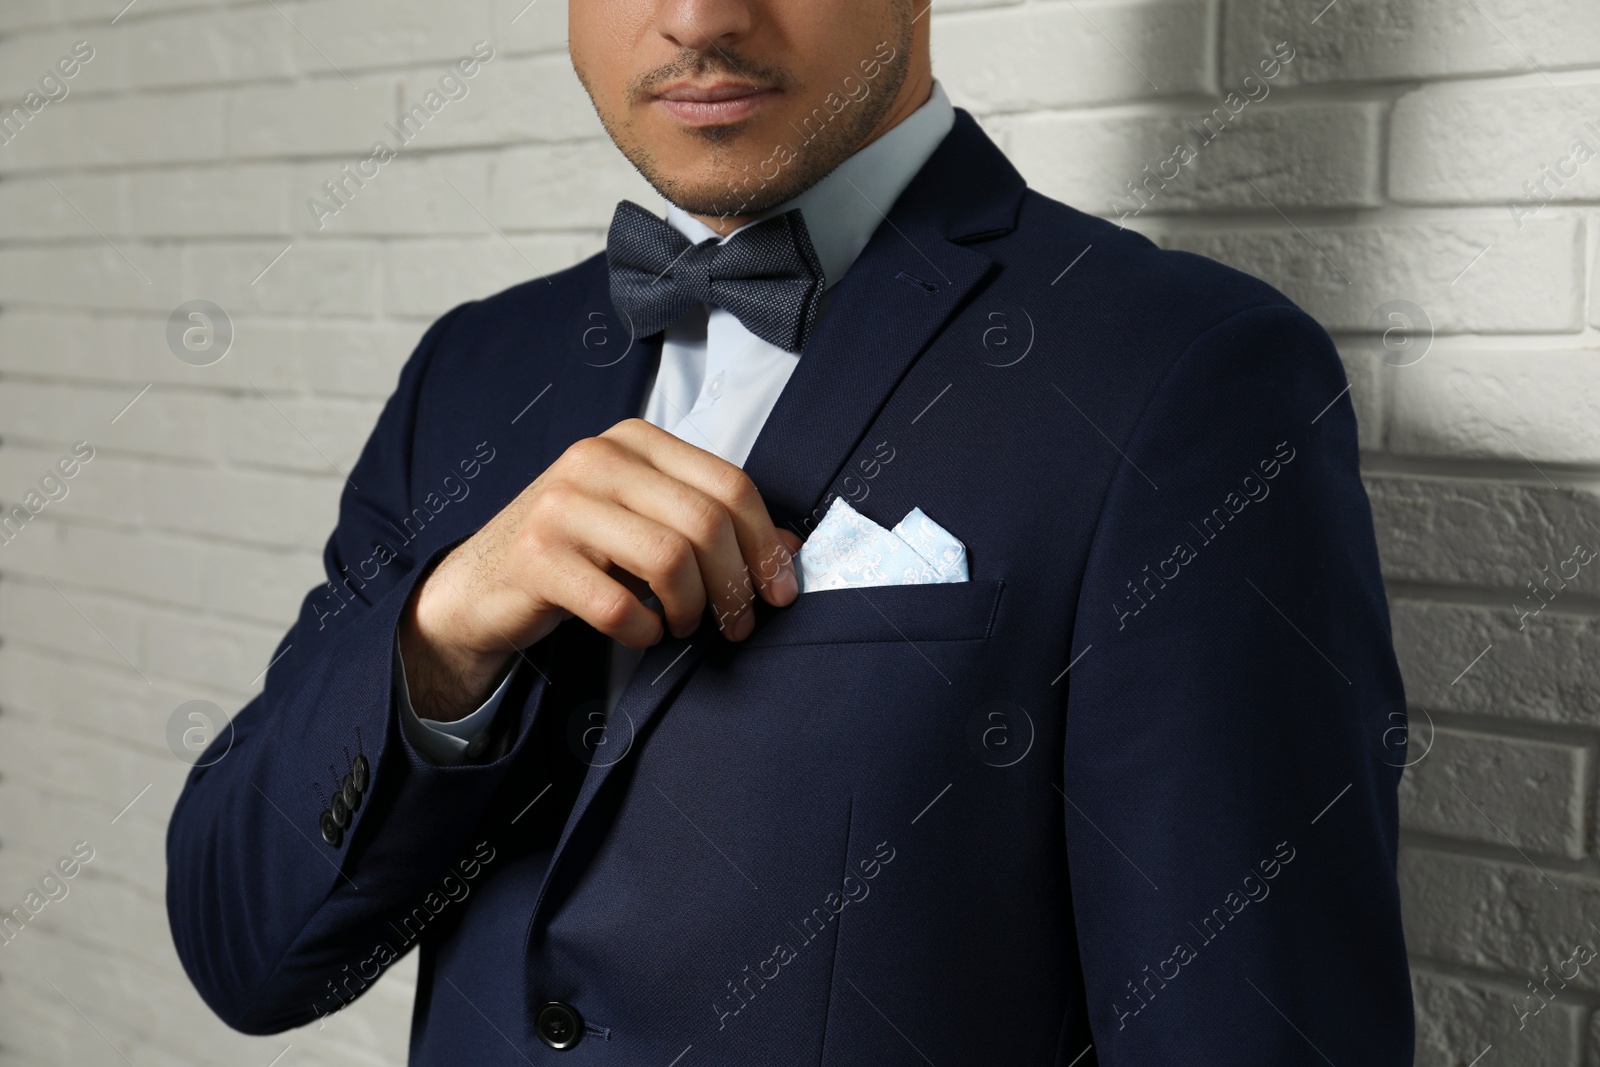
(617, 517)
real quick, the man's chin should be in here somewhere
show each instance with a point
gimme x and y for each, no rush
(725, 192)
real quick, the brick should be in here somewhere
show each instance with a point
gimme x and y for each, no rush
(427, 278)
(1594, 296)
(227, 201)
(54, 758)
(314, 277)
(330, 358)
(76, 696)
(91, 11)
(410, 195)
(26, 58)
(108, 488)
(1516, 406)
(352, 35)
(251, 583)
(39, 13)
(1357, 40)
(1498, 917)
(511, 100)
(124, 275)
(325, 117)
(205, 48)
(41, 1031)
(1438, 128)
(1059, 55)
(1458, 1018)
(169, 424)
(342, 358)
(124, 131)
(968, 5)
(211, 652)
(277, 509)
(169, 568)
(131, 850)
(1473, 658)
(1322, 154)
(309, 434)
(1483, 532)
(1529, 281)
(267, 508)
(71, 620)
(30, 209)
(1509, 791)
(525, 26)
(552, 187)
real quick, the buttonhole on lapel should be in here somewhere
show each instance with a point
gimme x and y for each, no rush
(927, 287)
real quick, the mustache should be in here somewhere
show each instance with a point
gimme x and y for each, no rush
(692, 62)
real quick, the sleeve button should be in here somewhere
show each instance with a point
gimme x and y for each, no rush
(332, 833)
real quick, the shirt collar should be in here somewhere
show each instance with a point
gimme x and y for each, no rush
(844, 209)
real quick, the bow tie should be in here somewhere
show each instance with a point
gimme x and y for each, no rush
(767, 275)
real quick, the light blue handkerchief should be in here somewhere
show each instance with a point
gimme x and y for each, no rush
(848, 549)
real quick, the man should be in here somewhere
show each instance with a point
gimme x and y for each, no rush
(1124, 795)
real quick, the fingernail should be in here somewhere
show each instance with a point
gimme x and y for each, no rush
(744, 625)
(785, 587)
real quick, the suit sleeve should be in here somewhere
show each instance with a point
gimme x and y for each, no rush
(1235, 725)
(265, 911)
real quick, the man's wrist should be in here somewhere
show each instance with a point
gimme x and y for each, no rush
(445, 681)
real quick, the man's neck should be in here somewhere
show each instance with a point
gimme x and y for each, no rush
(913, 94)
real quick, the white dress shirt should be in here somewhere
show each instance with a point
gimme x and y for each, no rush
(716, 382)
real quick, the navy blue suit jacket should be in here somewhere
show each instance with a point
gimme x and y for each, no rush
(1126, 797)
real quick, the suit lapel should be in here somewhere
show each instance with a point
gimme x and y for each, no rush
(902, 289)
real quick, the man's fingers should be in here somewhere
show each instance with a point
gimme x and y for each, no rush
(669, 562)
(583, 588)
(705, 521)
(768, 560)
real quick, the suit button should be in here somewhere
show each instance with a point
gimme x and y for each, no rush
(331, 831)
(359, 772)
(352, 795)
(476, 746)
(559, 1025)
(340, 811)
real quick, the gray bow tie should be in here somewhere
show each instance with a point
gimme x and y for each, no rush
(767, 275)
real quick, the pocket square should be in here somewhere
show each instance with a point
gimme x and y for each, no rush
(847, 549)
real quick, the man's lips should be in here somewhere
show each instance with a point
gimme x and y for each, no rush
(713, 105)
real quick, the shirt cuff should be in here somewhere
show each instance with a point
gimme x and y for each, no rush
(446, 743)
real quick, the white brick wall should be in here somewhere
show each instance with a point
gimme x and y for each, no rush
(1381, 166)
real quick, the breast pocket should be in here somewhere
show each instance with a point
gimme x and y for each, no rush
(950, 611)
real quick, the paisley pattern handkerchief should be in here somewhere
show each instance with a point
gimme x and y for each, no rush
(848, 549)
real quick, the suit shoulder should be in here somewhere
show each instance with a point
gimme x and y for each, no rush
(1124, 269)
(1126, 318)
